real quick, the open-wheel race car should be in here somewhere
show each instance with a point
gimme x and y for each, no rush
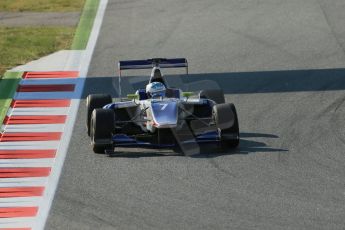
(159, 116)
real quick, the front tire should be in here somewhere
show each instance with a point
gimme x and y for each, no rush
(216, 95)
(225, 117)
(102, 125)
(95, 101)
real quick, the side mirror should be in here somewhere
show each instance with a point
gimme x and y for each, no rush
(132, 96)
(187, 94)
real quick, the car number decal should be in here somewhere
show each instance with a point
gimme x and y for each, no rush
(164, 106)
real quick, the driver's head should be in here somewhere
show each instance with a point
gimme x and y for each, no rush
(155, 89)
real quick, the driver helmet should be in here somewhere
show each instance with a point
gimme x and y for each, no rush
(156, 89)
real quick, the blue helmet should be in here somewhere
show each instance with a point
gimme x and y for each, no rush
(156, 89)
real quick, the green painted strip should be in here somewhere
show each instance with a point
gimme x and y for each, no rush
(8, 86)
(85, 25)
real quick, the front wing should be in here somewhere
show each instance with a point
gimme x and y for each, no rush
(123, 140)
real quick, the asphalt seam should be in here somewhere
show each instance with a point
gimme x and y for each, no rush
(331, 28)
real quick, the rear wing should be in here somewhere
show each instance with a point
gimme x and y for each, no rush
(154, 62)
(149, 64)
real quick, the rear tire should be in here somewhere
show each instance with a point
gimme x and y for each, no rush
(225, 117)
(95, 101)
(102, 125)
(216, 95)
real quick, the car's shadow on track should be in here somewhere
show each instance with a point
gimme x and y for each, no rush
(144, 153)
(246, 146)
(232, 83)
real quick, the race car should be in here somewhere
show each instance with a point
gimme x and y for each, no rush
(160, 116)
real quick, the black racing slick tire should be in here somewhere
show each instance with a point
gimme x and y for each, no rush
(216, 95)
(226, 120)
(102, 125)
(95, 101)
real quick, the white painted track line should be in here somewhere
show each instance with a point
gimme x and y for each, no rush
(62, 151)
(23, 222)
(53, 81)
(27, 145)
(23, 182)
(38, 111)
(40, 162)
(30, 199)
(19, 202)
(45, 95)
(50, 183)
(34, 128)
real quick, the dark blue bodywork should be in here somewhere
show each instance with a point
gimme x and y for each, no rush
(123, 140)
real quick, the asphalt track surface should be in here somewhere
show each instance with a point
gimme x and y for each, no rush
(275, 60)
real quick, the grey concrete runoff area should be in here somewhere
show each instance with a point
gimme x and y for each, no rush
(17, 19)
(280, 62)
